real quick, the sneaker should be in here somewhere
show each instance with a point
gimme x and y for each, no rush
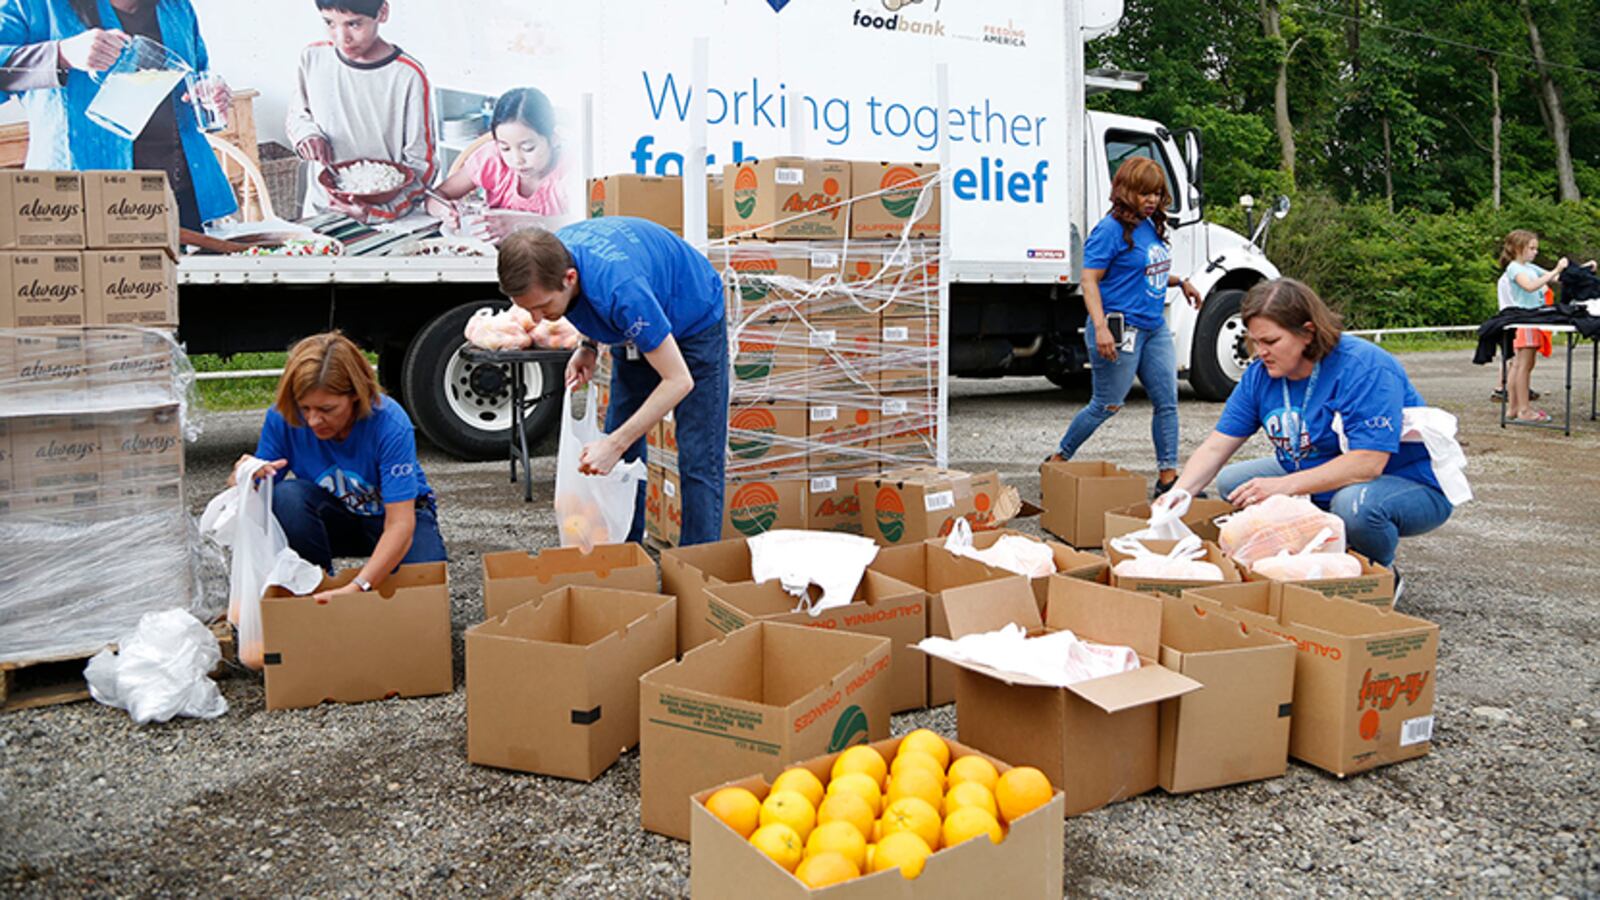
(1162, 487)
(1399, 586)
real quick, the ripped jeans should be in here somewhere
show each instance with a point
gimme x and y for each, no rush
(1154, 361)
(1376, 514)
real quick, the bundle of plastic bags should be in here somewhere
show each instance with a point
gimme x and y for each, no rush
(1277, 525)
(1166, 518)
(834, 562)
(160, 670)
(1011, 552)
(514, 329)
(1183, 562)
(1310, 564)
(1057, 659)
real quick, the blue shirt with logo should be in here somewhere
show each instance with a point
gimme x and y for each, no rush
(374, 465)
(639, 283)
(1135, 279)
(1365, 385)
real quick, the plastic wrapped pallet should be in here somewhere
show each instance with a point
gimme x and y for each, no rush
(92, 515)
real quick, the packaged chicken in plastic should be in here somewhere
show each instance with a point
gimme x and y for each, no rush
(1276, 525)
(509, 329)
(1310, 564)
(1183, 562)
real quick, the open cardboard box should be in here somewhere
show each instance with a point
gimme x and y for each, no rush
(686, 573)
(391, 641)
(912, 504)
(1373, 587)
(1076, 495)
(1097, 740)
(1070, 562)
(934, 571)
(553, 685)
(1028, 863)
(513, 577)
(755, 700)
(881, 606)
(1236, 727)
(1364, 677)
(1173, 586)
(1201, 518)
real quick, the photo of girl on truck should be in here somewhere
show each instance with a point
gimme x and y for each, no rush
(519, 168)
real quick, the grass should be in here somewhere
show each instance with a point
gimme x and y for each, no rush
(1420, 343)
(226, 395)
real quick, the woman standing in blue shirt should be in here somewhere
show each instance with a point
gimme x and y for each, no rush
(657, 302)
(1306, 373)
(1126, 272)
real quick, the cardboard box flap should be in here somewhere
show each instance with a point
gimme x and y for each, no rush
(550, 562)
(1307, 608)
(792, 660)
(1258, 597)
(1190, 627)
(1148, 684)
(1105, 615)
(992, 605)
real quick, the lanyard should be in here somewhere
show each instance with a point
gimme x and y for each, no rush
(1294, 417)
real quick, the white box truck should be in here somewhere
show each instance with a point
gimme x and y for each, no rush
(1029, 167)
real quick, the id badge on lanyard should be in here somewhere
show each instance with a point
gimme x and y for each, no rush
(630, 352)
(1130, 339)
(1294, 418)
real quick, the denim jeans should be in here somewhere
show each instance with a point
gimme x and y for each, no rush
(320, 527)
(1155, 361)
(1376, 514)
(702, 419)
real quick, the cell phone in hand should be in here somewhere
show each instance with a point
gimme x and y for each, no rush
(1114, 324)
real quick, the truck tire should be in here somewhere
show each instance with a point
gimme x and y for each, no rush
(1221, 353)
(465, 410)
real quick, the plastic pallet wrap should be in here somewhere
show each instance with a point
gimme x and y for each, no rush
(94, 531)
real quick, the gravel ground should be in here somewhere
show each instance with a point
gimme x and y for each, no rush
(378, 798)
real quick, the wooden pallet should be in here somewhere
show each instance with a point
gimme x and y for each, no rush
(50, 682)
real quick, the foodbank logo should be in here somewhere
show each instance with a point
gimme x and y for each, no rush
(597, 200)
(753, 284)
(891, 515)
(849, 730)
(750, 433)
(745, 186)
(755, 359)
(754, 509)
(903, 186)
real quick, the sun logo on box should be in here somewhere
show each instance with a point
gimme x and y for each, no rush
(849, 730)
(745, 185)
(891, 515)
(750, 433)
(597, 200)
(754, 509)
(903, 202)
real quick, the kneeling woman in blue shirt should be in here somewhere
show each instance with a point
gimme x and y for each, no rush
(657, 302)
(1306, 372)
(358, 489)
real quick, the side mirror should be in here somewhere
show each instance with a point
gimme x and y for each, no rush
(1281, 208)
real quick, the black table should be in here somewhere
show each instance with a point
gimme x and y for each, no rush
(517, 360)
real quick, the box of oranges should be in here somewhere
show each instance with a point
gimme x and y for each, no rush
(918, 816)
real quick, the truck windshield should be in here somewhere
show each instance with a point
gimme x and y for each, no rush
(1122, 146)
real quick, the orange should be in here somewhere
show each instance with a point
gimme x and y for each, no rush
(1021, 791)
(801, 780)
(861, 785)
(924, 741)
(901, 850)
(974, 768)
(969, 793)
(846, 807)
(916, 782)
(864, 760)
(780, 843)
(915, 815)
(790, 808)
(872, 851)
(737, 808)
(916, 759)
(838, 837)
(825, 869)
(877, 830)
(967, 823)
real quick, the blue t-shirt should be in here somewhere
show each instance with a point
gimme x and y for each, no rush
(376, 464)
(1366, 386)
(1524, 298)
(639, 282)
(1135, 279)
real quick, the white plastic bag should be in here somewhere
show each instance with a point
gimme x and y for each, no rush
(1182, 562)
(1311, 564)
(1166, 519)
(592, 509)
(1277, 524)
(1059, 658)
(1011, 553)
(160, 670)
(798, 559)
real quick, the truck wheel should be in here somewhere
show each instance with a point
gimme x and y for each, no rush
(1221, 352)
(463, 408)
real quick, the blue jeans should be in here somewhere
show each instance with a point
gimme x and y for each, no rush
(1156, 363)
(320, 527)
(1376, 514)
(702, 419)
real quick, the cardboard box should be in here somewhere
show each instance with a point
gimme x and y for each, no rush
(671, 509)
(142, 447)
(934, 572)
(898, 187)
(832, 504)
(843, 435)
(553, 685)
(131, 287)
(767, 436)
(8, 300)
(1236, 727)
(753, 506)
(55, 455)
(1363, 680)
(1069, 562)
(907, 429)
(1201, 518)
(687, 573)
(843, 358)
(758, 194)
(1374, 586)
(45, 209)
(1027, 864)
(1076, 496)
(1173, 586)
(881, 606)
(1097, 740)
(896, 280)
(126, 360)
(760, 272)
(391, 641)
(714, 221)
(44, 364)
(47, 289)
(769, 358)
(910, 361)
(6, 486)
(754, 701)
(654, 502)
(658, 198)
(128, 210)
(513, 577)
(914, 504)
